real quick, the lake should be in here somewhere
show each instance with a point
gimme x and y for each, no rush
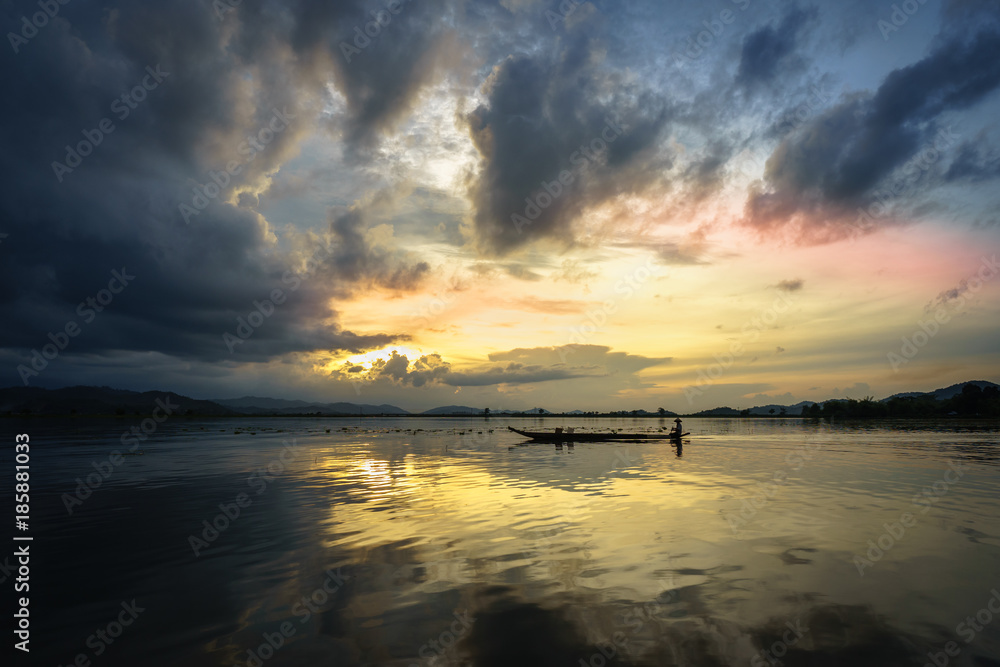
(438, 541)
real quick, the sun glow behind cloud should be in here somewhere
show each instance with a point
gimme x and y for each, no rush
(364, 363)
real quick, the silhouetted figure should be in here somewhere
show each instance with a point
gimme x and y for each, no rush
(678, 428)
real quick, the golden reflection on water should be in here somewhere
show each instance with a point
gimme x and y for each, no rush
(557, 547)
(625, 528)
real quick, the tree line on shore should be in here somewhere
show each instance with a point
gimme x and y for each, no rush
(973, 401)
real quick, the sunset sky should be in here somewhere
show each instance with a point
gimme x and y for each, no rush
(512, 204)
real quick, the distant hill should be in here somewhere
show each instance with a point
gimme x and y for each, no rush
(718, 412)
(801, 408)
(454, 410)
(278, 406)
(945, 393)
(260, 402)
(905, 394)
(466, 410)
(790, 410)
(952, 400)
(99, 401)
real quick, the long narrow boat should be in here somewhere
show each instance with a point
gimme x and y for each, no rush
(564, 436)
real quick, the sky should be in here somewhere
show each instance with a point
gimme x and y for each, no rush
(508, 204)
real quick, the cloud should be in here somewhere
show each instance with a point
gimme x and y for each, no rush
(379, 76)
(676, 255)
(222, 82)
(537, 305)
(791, 285)
(819, 175)
(771, 50)
(692, 250)
(572, 272)
(552, 114)
(974, 162)
(592, 356)
(760, 400)
(858, 391)
(947, 296)
(366, 257)
(522, 366)
(432, 369)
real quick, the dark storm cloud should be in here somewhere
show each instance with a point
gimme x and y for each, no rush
(769, 50)
(358, 261)
(558, 114)
(381, 75)
(821, 173)
(196, 86)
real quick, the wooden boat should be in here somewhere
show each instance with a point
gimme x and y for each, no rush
(570, 436)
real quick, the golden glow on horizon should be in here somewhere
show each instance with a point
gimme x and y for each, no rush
(850, 303)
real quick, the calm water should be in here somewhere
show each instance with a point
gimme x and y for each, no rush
(378, 544)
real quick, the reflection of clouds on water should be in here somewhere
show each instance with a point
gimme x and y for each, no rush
(510, 631)
(602, 553)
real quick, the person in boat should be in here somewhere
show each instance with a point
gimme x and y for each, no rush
(678, 428)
